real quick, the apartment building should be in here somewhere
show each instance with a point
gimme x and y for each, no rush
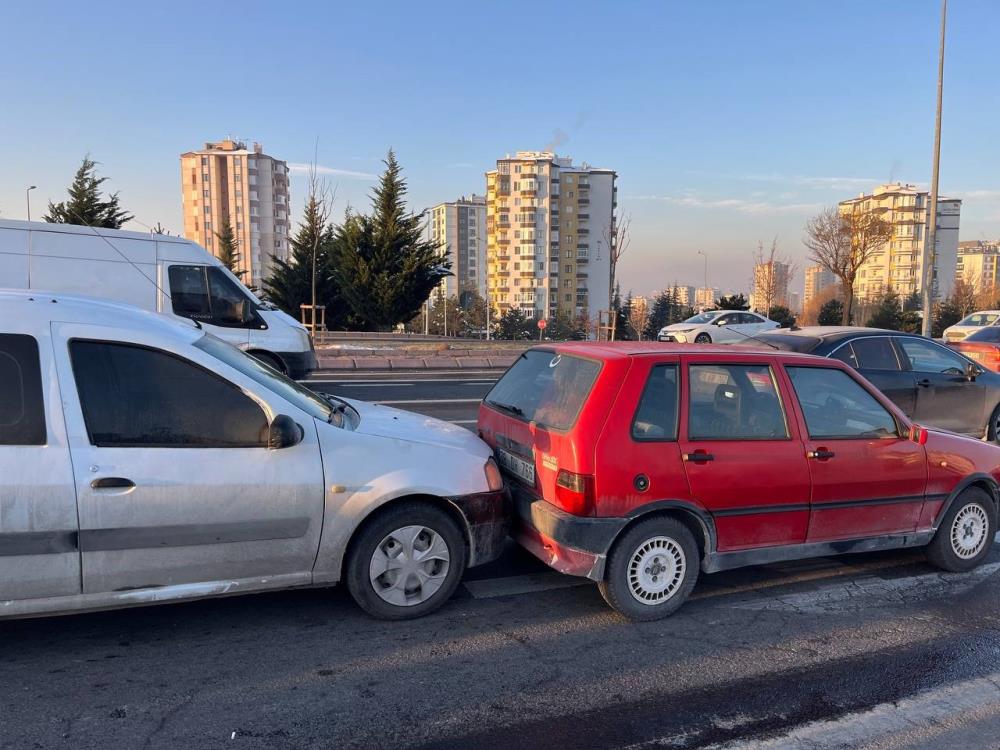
(548, 224)
(459, 229)
(900, 262)
(705, 296)
(977, 264)
(225, 181)
(685, 294)
(817, 278)
(770, 285)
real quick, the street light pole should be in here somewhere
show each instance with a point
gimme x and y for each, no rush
(705, 256)
(27, 199)
(930, 242)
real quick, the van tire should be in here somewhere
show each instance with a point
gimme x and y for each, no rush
(376, 533)
(632, 577)
(270, 360)
(969, 522)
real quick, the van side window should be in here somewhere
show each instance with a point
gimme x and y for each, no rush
(734, 402)
(656, 417)
(189, 292)
(207, 294)
(22, 410)
(133, 396)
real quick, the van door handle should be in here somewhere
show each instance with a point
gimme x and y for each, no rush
(698, 457)
(112, 483)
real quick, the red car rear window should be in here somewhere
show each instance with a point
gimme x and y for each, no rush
(546, 388)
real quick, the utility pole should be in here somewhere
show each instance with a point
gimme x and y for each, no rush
(27, 198)
(705, 256)
(930, 242)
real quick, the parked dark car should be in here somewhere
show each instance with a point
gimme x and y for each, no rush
(931, 383)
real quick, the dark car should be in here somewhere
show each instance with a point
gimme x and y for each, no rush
(931, 383)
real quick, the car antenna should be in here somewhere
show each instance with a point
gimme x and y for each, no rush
(754, 338)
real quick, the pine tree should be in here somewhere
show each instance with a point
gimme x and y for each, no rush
(384, 267)
(732, 302)
(229, 253)
(831, 313)
(86, 206)
(887, 313)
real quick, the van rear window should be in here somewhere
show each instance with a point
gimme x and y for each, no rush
(546, 388)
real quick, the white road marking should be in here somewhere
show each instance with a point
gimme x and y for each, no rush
(391, 384)
(489, 588)
(411, 379)
(899, 724)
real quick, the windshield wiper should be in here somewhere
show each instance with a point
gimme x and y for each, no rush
(515, 410)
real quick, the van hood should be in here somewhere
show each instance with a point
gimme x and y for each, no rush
(396, 424)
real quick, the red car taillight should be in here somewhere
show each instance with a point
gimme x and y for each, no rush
(575, 493)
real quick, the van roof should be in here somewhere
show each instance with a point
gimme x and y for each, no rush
(44, 226)
(623, 349)
(41, 308)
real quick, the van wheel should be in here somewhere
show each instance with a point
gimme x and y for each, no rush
(651, 569)
(406, 561)
(993, 426)
(703, 338)
(270, 360)
(966, 533)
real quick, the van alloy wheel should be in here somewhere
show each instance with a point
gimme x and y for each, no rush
(969, 530)
(409, 565)
(656, 570)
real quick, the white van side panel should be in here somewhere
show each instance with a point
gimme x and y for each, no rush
(13, 259)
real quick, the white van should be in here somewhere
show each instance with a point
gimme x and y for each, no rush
(169, 275)
(144, 461)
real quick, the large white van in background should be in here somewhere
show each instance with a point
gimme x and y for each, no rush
(164, 274)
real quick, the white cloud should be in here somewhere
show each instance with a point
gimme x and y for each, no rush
(303, 169)
(733, 204)
(806, 181)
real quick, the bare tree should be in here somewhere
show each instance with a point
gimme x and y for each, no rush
(842, 242)
(638, 315)
(617, 237)
(772, 272)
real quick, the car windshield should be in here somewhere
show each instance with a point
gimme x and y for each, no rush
(309, 402)
(705, 317)
(545, 388)
(979, 319)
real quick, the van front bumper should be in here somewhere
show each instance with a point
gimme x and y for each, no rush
(573, 545)
(487, 520)
(298, 364)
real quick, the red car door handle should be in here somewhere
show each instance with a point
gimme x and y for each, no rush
(698, 457)
(820, 454)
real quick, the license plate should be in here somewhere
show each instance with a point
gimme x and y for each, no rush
(523, 470)
(975, 355)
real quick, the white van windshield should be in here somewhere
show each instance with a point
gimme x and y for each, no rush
(268, 377)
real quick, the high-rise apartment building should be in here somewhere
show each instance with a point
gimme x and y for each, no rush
(548, 224)
(900, 263)
(685, 294)
(770, 285)
(817, 278)
(977, 264)
(227, 182)
(705, 296)
(459, 229)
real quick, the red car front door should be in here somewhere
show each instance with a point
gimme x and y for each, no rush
(742, 455)
(867, 478)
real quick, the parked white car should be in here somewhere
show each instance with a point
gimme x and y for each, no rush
(143, 460)
(970, 324)
(718, 327)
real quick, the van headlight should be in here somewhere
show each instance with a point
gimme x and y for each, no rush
(493, 479)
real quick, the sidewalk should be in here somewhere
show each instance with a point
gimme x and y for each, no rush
(409, 357)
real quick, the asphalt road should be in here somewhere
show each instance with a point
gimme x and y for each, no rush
(874, 651)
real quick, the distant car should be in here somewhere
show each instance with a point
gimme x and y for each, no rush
(639, 466)
(931, 383)
(717, 327)
(970, 324)
(983, 347)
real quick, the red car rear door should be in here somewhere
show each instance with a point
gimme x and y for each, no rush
(741, 452)
(868, 478)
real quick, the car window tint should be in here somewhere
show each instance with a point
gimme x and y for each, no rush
(978, 319)
(133, 396)
(874, 354)
(734, 402)
(22, 410)
(837, 406)
(230, 307)
(926, 356)
(189, 292)
(846, 355)
(656, 417)
(751, 318)
(989, 335)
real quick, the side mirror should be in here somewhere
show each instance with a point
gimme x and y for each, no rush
(720, 322)
(971, 371)
(283, 432)
(918, 434)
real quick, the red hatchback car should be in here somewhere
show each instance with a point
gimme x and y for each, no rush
(638, 465)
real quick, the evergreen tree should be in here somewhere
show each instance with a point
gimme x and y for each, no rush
(831, 313)
(229, 253)
(732, 302)
(782, 315)
(912, 303)
(514, 325)
(888, 312)
(290, 283)
(86, 205)
(384, 267)
(659, 314)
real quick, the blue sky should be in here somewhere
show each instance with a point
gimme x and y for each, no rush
(728, 122)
